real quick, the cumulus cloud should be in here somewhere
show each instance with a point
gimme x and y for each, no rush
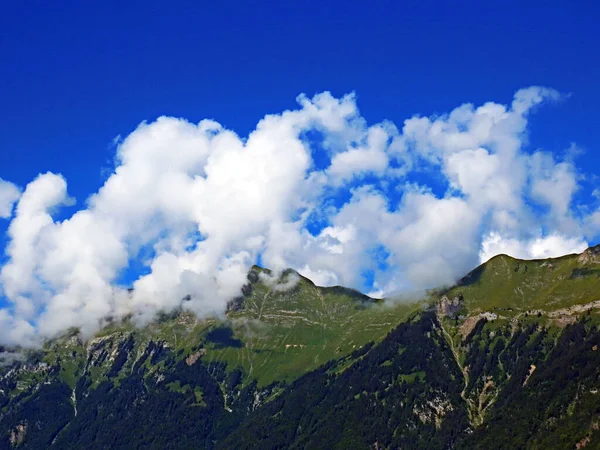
(553, 184)
(197, 205)
(9, 194)
(368, 158)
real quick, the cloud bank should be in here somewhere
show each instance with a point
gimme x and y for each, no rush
(196, 205)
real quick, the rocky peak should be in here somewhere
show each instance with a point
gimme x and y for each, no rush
(590, 256)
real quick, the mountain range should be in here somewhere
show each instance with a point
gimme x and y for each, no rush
(506, 358)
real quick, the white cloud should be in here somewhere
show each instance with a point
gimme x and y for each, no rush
(549, 246)
(554, 184)
(197, 204)
(369, 158)
(9, 194)
(321, 277)
(16, 331)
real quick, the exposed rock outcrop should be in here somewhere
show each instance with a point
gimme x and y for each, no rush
(18, 434)
(447, 307)
(590, 256)
(190, 360)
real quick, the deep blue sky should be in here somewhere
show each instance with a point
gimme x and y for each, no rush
(76, 74)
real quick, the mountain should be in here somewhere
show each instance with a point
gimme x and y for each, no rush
(506, 358)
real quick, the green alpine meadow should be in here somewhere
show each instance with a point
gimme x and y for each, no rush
(508, 357)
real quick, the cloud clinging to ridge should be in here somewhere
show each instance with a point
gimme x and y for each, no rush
(198, 204)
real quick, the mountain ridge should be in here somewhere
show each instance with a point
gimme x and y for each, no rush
(490, 337)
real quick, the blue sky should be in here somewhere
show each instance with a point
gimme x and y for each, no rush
(77, 76)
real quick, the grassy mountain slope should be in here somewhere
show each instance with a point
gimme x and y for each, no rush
(535, 388)
(507, 358)
(511, 285)
(491, 365)
(277, 331)
(404, 393)
(287, 333)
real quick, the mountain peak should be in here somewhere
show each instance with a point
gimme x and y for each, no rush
(520, 285)
(443, 367)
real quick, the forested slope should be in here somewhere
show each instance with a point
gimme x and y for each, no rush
(483, 364)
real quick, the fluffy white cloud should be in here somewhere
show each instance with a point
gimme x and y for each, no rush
(368, 158)
(198, 205)
(9, 194)
(549, 246)
(553, 184)
(17, 331)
